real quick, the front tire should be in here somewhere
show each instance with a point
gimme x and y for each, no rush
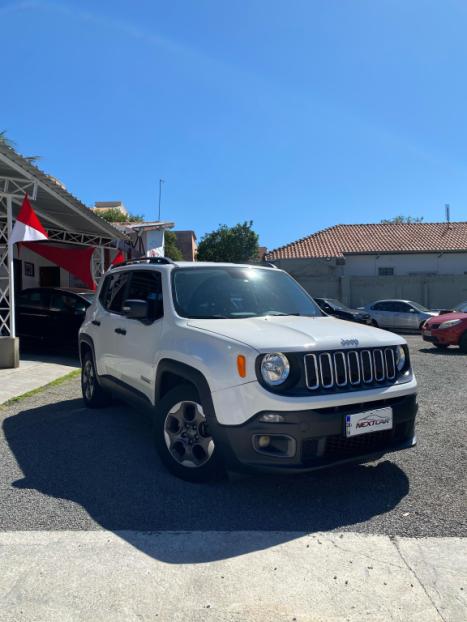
(463, 343)
(94, 395)
(183, 438)
(441, 346)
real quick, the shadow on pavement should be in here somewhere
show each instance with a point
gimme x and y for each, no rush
(105, 461)
(451, 351)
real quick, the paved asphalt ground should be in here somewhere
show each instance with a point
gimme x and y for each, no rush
(66, 468)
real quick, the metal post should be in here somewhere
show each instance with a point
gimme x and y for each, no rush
(11, 265)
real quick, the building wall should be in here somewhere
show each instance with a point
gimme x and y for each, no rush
(406, 264)
(26, 255)
(324, 278)
(186, 242)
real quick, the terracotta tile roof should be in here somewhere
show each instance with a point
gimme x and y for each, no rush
(377, 238)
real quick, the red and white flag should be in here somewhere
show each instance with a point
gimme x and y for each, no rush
(27, 227)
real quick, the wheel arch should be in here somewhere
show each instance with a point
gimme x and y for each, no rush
(171, 374)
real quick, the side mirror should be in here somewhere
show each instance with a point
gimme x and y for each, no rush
(135, 309)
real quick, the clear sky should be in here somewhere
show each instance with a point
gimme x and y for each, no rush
(296, 114)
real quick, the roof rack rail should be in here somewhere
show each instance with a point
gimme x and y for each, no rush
(269, 264)
(161, 261)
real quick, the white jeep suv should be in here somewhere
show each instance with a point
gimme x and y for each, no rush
(242, 370)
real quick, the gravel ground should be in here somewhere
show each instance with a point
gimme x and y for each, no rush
(64, 467)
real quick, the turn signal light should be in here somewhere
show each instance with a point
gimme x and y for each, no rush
(241, 365)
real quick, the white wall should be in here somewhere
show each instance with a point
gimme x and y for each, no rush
(435, 263)
(24, 254)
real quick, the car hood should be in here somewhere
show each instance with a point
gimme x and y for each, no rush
(455, 315)
(293, 333)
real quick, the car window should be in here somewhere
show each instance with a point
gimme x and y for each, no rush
(146, 285)
(402, 307)
(36, 298)
(113, 291)
(67, 303)
(382, 306)
(462, 307)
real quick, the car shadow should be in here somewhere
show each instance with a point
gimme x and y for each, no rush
(105, 461)
(451, 351)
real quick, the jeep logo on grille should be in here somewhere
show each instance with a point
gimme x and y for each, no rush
(349, 343)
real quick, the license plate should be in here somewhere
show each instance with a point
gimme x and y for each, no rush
(427, 333)
(368, 421)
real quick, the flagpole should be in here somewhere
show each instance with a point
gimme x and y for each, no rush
(11, 265)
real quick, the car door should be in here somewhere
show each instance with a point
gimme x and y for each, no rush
(108, 324)
(67, 313)
(32, 314)
(411, 316)
(380, 311)
(142, 336)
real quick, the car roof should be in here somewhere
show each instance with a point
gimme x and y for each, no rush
(79, 291)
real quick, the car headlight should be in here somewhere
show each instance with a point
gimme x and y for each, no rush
(275, 368)
(449, 323)
(400, 358)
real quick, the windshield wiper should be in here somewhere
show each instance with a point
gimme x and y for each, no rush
(280, 313)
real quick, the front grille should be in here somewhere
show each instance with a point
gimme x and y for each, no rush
(325, 371)
(433, 326)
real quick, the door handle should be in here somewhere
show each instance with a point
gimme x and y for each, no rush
(96, 322)
(120, 331)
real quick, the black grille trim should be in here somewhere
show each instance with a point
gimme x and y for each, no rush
(338, 370)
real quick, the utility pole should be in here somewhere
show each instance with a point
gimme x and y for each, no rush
(161, 181)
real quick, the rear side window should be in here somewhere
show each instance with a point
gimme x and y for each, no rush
(37, 299)
(113, 291)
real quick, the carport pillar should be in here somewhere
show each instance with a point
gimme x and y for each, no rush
(9, 343)
(11, 265)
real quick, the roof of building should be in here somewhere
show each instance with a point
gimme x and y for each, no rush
(56, 207)
(340, 240)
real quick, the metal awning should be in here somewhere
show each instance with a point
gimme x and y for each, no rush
(56, 208)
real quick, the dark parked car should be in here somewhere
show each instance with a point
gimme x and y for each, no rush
(334, 307)
(51, 315)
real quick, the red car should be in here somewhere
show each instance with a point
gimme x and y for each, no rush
(446, 330)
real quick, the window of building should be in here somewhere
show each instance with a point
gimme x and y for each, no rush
(385, 271)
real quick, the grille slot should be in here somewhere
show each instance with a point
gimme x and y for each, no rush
(326, 371)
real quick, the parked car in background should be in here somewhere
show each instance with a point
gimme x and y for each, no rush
(51, 315)
(461, 308)
(447, 330)
(398, 314)
(334, 307)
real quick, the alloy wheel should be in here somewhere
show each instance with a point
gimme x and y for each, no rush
(89, 379)
(187, 436)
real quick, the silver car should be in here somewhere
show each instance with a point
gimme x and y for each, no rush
(398, 314)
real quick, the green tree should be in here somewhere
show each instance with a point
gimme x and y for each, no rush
(113, 214)
(171, 249)
(398, 220)
(237, 244)
(4, 140)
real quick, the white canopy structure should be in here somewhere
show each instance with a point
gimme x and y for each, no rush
(66, 219)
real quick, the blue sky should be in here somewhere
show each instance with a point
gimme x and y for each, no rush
(297, 114)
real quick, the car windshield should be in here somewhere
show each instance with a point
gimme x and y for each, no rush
(418, 306)
(230, 292)
(462, 307)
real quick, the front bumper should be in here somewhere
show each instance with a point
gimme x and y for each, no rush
(319, 438)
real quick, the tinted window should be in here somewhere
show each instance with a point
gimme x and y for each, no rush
(113, 290)
(402, 307)
(384, 306)
(146, 285)
(238, 292)
(67, 303)
(36, 298)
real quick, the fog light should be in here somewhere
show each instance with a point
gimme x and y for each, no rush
(272, 418)
(263, 441)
